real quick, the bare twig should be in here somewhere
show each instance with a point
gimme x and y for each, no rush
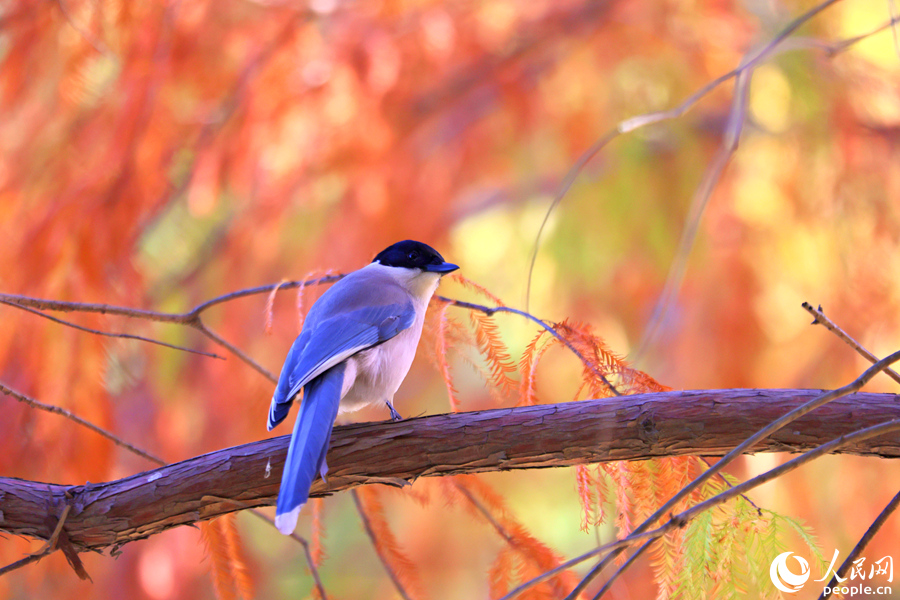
(485, 513)
(26, 560)
(310, 563)
(842, 45)
(699, 203)
(631, 559)
(567, 183)
(724, 480)
(305, 544)
(491, 310)
(128, 336)
(84, 423)
(192, 318)
(103, 309)
(565, 566)
(820, 319)
(861, 545)
(236, 351)
(98, 45)
(50, 545)
(371, 533)
(281, 285)
(893, 8)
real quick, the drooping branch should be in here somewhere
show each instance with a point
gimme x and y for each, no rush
(707, 422)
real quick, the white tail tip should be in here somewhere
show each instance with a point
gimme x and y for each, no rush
(287, 522)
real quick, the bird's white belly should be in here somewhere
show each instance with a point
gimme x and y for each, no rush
(374, 375)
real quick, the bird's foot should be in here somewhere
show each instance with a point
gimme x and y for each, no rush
(395, 416)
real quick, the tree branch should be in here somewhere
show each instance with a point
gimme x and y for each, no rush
(705, 422)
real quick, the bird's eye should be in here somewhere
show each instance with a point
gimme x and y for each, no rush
(413, 256)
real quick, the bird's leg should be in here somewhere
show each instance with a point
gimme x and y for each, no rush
(395, 416)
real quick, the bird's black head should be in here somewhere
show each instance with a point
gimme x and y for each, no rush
(414, 255)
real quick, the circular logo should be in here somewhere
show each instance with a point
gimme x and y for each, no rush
(785, 579)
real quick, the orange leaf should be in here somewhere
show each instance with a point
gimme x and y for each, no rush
(270, 303)
(480, 289)
(444, 323)
(386, 544)
(229, 572)
(494, 351)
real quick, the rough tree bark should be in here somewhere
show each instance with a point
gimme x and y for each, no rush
(706, 422)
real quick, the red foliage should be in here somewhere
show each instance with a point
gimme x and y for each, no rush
(156, 155)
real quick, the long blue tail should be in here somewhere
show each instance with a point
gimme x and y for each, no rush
(309, 444)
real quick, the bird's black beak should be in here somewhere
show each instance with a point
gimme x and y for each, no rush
(442, 268)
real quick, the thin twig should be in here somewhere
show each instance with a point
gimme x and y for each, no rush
(87, 35)
(129, 336)
(842, 45)
(192, 318)
(827, 448)
(303, 542)
(371, 533)
(861, 545)
(26, 560)
(236, 351)
(623, 543)
(103, 309)
(724, 480)
(310, 563)
(892, 6)
(486, 514)
(50, 545)
(491, 310)
(820, 319)
(84, 423)
(282, 285)
(567, 183)
(631, 560)
(699, 202)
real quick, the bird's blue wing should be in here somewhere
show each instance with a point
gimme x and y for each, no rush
(326, 343)
(309, 444)
(281, 402)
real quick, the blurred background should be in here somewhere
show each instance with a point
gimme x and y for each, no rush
(158, 154)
